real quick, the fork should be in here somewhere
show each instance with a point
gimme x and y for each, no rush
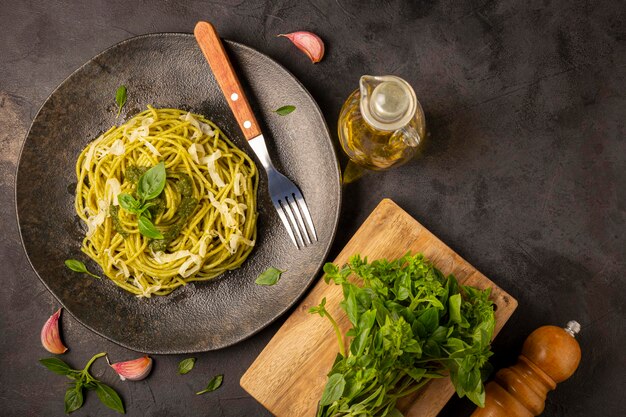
(286, 197)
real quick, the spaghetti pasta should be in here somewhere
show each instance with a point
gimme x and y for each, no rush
(206, 212)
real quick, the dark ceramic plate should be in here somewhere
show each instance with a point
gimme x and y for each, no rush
(168, 70)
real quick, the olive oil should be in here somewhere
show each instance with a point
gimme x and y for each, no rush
(381, 125)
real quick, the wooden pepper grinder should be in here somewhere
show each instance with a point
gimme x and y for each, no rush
(549, 356)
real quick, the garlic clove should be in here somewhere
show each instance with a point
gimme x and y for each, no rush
(307, 42)
(133, 370)
(50, 336)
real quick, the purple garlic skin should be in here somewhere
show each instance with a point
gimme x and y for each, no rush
(309, 43)
(50, 335)
(133, 370)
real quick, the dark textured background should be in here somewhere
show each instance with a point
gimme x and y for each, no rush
(524, 173)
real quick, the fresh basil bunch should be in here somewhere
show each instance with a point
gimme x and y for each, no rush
(410, 324)
(82, 379)
(149, 187)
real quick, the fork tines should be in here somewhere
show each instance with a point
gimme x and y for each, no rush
(293, 212)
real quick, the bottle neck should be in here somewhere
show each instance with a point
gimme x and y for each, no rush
(388, 103)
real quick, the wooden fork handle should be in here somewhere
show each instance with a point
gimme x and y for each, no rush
(216, 56)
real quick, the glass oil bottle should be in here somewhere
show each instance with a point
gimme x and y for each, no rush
(381, 125)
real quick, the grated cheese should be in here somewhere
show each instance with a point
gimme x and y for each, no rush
(124, 267)
(229, 220)
(234, 241)
(150, 146)
(97, 219)
(204, 242)
(196, 151)
(162, 258)
(192, 121)
(239, 209)
(117, 148)
(206, 129)
(210, 162)
(147, 292)
(112, 188)
(91, 151)
(184, 272)
(139, 133)
(120, 264)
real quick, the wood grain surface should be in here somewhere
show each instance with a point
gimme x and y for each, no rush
(215, 54)
(289, 375)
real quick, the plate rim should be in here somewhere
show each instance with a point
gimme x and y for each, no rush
(279, 313)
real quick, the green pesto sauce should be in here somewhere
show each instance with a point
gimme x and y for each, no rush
(158, 206)
(117, 225)
(133, 173)
(188, 204)
(175, 229)
(185, 209)
(184, 185)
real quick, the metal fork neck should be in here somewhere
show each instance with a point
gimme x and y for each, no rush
(260, 150)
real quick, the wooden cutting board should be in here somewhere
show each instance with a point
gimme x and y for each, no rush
(289, 375)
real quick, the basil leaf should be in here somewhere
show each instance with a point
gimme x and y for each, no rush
(148, 229)
(333, 390)
(319, 309)
(128, 203)
(285, 110)
(439, 335)
(415, 373)
(213, 384)
(331, 269)
(57, 366)
(73, 398)
(75, 265)
(477, 397)
(152, 182)
(349, 304)
(109, 397)
(366, 321)
(454, 303)
(78, 266)
(186, 365)
(430, 319)
(269, 277)
(120, 99)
